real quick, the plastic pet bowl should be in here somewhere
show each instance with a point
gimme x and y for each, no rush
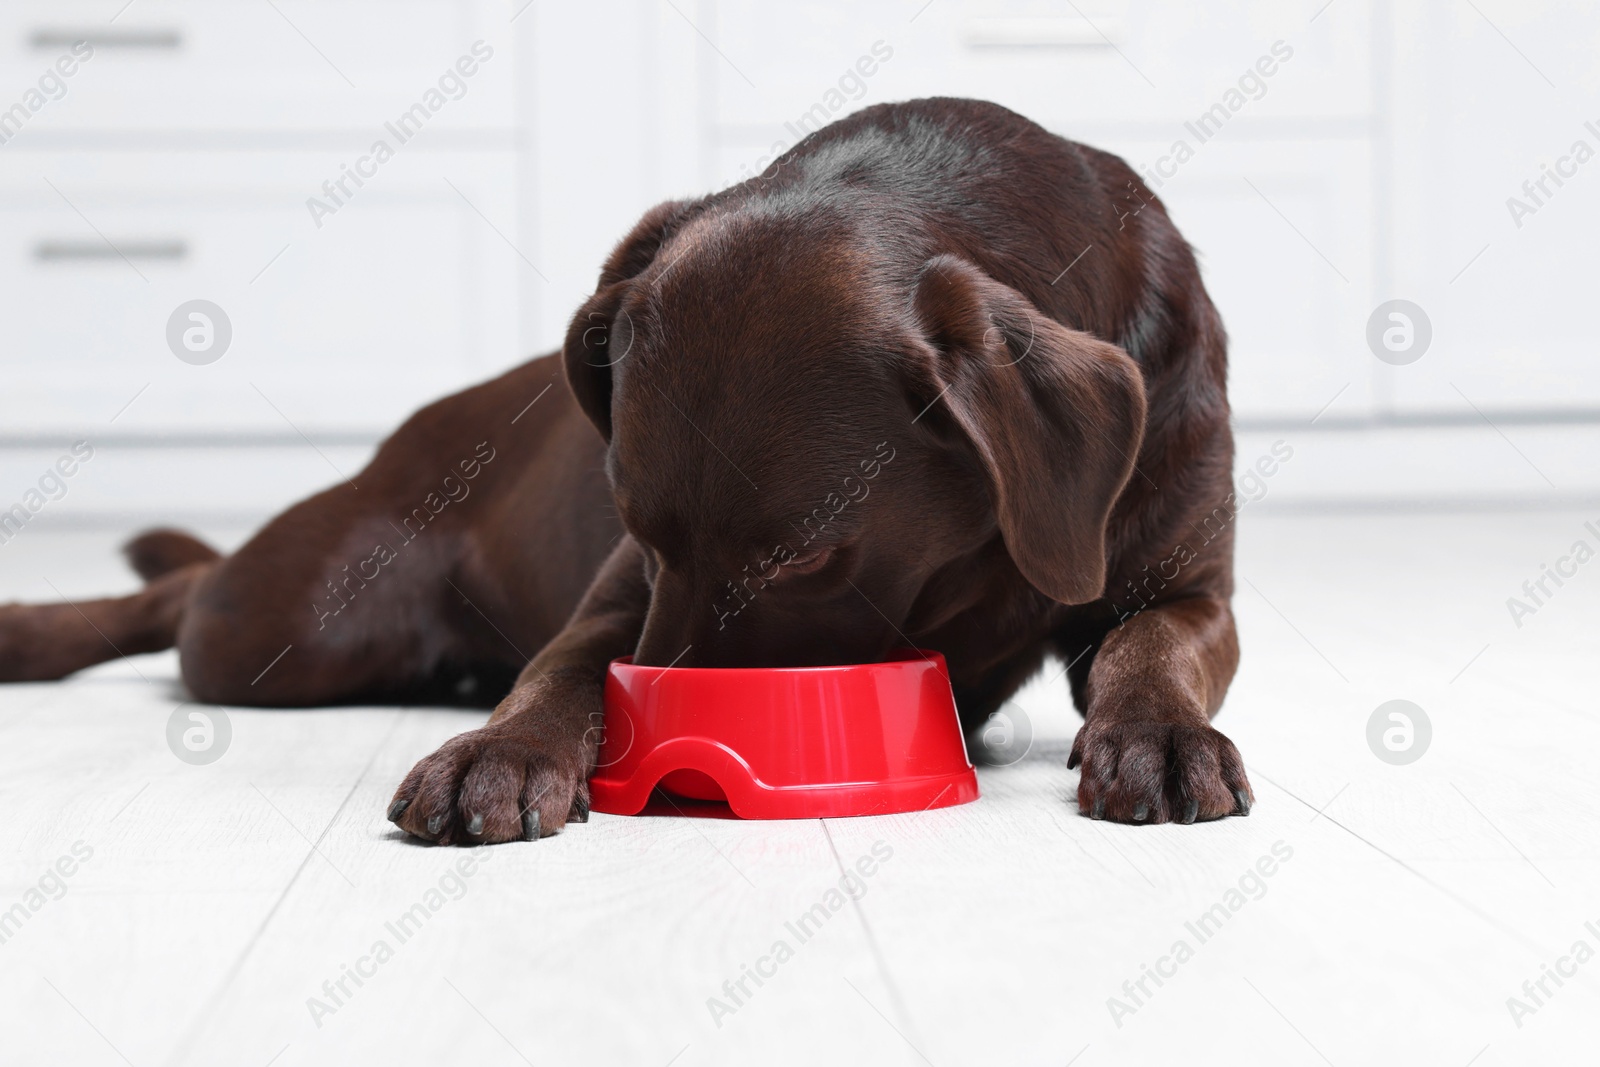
(785, 742)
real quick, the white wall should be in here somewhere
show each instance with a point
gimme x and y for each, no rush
(1375, 162)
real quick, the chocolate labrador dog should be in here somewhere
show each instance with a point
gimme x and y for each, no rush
(937, 378)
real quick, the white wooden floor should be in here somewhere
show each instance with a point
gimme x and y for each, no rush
(218, 899)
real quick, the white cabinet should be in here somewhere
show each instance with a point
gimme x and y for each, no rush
(1274, 187)
(1350, 154)
(1481, 110)
(341, 179)
(1373, 162)
(335, 183)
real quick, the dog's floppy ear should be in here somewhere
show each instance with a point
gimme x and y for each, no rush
(1056, 417)
(596, 341)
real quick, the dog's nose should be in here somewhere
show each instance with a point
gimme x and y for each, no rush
(672, 627)
(693, 623)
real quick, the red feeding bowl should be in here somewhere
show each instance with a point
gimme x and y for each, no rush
(785, 742)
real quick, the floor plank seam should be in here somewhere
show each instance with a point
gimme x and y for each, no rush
(893, 987)
(180, 1051)
(1516, 935)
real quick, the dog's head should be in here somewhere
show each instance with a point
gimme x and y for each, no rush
(820, 447)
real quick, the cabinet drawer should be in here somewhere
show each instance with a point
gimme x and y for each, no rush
(403, 295)
(234, 69)
(1154, 64)
(1295, 324)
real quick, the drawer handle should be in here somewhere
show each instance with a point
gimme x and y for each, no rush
(53, 39)
(1049, 32)
(50, 251)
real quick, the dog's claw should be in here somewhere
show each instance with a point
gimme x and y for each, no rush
(435, 824)
(580, 809)
(530, 825)
(1191, 811)
(1141, 812)
(1243, 800)
(397, 809)
(1099, 809)
(475, 825)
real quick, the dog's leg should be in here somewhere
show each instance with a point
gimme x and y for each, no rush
(42, 642)
(1147, 748)
(526, 773)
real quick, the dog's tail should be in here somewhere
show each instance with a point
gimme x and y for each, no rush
(44, 641)
(158, 552)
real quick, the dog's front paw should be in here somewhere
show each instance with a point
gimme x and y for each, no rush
(1158, 772)
(490, 785)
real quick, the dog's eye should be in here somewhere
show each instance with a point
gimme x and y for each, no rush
(809, 562)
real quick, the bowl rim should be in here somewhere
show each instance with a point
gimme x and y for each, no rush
(896, 657)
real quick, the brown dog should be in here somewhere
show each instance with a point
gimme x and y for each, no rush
(938, 378)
